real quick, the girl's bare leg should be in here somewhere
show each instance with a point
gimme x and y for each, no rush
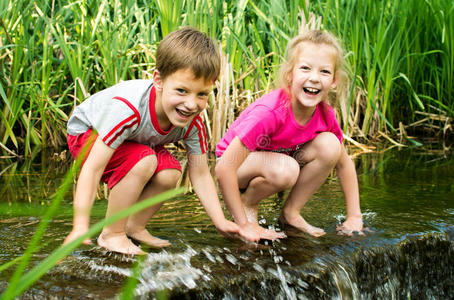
(135, 227)
(124, 194)
(320, 156)
(264, 174)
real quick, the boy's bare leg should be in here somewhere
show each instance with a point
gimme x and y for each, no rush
(264, 174)
(135, 228)
(320, 156)
(124, 194)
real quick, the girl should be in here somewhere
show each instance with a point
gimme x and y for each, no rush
(290, 138)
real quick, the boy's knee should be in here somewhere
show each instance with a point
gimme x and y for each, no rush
(167, 179)
(145, 168)
(328, 147)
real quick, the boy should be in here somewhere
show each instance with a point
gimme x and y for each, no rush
(129, 123)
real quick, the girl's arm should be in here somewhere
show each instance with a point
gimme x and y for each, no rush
(349, 183)
(226, 173)
(87, 183)
(204, 187)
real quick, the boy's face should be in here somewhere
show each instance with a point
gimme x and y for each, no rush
(182, 97)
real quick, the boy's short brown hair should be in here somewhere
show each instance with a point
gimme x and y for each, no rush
(188, 48)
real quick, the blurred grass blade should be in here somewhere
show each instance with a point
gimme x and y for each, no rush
(34, 274)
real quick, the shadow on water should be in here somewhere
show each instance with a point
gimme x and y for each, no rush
(406, 197)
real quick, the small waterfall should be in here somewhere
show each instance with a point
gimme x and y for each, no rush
(418, 267)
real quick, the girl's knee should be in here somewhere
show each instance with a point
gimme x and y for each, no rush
(328, 147)
(284, 174)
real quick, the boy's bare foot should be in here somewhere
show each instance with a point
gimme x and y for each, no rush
(145, 237)
(300, 224)
(74, 234)
(118, 243)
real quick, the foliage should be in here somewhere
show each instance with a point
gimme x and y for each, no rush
(55, 53)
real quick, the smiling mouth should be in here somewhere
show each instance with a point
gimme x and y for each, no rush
(311, 91)
(184, 114)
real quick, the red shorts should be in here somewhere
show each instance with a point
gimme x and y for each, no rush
(124, 158)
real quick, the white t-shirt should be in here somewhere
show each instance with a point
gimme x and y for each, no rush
(126, 111)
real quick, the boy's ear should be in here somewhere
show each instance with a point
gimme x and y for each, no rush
(157, 80)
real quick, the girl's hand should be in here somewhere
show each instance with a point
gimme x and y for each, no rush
(232, 230)
(254, 232)
(227, 228)
(250, 232)
(351, 225)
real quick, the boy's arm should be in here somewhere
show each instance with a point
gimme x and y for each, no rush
(226, 173)
(87, 183)
(204, 187)
(346, 172)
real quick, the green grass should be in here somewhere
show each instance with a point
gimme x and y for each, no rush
(54, 54)
(24, 276)
(401, 55)
(22, 280)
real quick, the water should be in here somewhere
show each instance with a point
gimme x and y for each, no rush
(407, 197)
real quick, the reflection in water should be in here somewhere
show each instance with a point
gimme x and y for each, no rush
(406, 197)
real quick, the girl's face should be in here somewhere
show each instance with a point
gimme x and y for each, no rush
(312, 76)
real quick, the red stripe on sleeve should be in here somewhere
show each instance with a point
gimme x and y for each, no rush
(136, 116)
(202, 141)
(136, 112)
(205, 134)
(121, 124)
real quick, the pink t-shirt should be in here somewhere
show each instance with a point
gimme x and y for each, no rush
(268, 124)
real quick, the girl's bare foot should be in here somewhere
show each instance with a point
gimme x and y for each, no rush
(251, 210)
(300, 224)
(118, 243)
(145, 237)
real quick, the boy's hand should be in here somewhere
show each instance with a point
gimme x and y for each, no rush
(74, 234)
(351, 225)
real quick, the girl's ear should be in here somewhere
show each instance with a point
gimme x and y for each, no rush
(288, 77)
(157, 80)
(335, 80)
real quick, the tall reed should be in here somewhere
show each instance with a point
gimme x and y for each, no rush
(56, 53)
(399, 54)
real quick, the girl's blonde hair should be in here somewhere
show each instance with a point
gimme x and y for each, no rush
(317, 37)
